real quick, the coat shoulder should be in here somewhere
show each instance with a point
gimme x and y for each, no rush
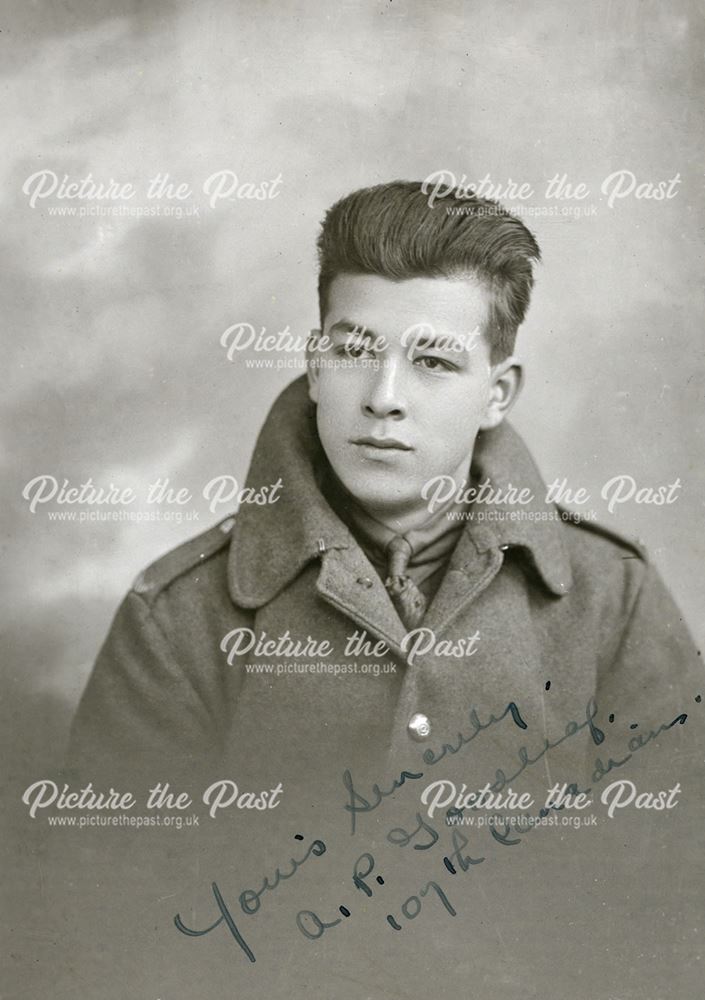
(604, 542)
(192, 555)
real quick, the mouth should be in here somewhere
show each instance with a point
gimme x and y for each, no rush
(382, 443)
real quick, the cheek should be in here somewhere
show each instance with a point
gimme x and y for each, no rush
(338, 395)
(333, 410)
(456, 416)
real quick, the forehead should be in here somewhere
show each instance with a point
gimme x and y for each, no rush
(448, 305)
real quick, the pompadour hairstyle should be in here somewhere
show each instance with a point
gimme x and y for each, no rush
(391, 231)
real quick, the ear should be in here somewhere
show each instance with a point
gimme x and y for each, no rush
(313, 370)
(506, 380)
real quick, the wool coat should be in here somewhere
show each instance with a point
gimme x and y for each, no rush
(551, 652)
(536, 608)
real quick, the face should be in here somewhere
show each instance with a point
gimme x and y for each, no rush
(402, 380)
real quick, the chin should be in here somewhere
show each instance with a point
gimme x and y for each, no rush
(371, 495)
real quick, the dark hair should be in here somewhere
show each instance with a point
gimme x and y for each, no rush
(396, 231)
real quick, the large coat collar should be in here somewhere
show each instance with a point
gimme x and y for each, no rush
(272, 543)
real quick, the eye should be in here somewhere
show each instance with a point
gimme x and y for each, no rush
(434, 364)
(355, 349)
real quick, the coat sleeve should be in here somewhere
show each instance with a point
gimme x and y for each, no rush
(654, 677)
(141, 712)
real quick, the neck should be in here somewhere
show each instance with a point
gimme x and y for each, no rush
(402, 520)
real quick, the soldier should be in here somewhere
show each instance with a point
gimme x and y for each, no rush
(409, 623)
(410, 379)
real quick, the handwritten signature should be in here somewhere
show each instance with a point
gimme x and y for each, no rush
(424, 836)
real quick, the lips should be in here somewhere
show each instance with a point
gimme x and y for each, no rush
(383, 443)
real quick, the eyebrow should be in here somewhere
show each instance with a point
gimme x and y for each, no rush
(347, 326)
(440, 342)
(448, 341)
(437, 342)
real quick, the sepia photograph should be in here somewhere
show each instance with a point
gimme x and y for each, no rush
(354, 500)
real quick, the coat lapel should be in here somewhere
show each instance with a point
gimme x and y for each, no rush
(471, 569)
(349, 582)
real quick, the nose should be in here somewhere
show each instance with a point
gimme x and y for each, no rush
(385, 397)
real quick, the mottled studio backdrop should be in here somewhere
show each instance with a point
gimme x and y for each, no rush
(115, 301)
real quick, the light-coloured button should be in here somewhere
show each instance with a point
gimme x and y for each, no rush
(419, 727)
(365, 582)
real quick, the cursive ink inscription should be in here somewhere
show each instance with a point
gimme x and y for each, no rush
(225, 915)
(423, 836)
(433, 757)
(357, 803)
(249, 900)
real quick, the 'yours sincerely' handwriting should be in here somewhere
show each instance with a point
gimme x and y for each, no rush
(313, 927)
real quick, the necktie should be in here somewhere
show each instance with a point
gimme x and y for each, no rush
(405, 595)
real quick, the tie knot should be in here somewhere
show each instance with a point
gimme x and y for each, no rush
(399, 551)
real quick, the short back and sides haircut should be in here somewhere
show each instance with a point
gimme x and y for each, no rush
(392, 231)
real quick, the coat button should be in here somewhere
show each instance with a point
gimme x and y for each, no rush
(365, 582)
(419, 727)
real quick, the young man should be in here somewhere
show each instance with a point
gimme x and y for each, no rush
(408, 623)
(410, 539)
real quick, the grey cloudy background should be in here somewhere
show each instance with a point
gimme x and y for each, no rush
(112, 325)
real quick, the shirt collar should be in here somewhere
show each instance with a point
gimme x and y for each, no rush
(430, 542)
(272, 543)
